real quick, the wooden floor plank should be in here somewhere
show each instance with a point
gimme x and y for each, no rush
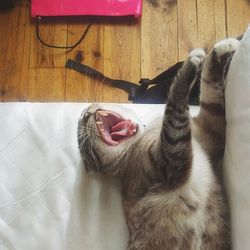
(205, 23)
(47, 84)
(121, 55)
(238, 17)
(90, 52)
(220, 19)
(54, 32)
(14, 51)
(187, 27)
(211, 22)
(159, 48)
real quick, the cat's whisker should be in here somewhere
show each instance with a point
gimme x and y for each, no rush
(83, 142)
(88, 130)
(96, 84)
(94, 157)
(101, 86)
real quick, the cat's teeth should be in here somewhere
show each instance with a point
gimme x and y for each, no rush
(99, 122)
(103, 113)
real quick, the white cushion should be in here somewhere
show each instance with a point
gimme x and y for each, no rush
(237, 151)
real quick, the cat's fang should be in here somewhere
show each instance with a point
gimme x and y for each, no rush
(101, 112)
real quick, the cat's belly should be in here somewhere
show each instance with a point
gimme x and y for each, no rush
(174, 219)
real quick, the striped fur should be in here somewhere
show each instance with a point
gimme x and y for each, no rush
(171, 172)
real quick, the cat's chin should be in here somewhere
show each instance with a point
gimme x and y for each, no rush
(113, 127)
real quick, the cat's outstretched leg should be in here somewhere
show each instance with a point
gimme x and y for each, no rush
(175, 142)
(212, 79)
(211, 119)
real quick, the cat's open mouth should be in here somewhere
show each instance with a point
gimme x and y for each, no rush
(113, 128)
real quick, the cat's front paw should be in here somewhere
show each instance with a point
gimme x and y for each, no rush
(197, 57)
(225, 48)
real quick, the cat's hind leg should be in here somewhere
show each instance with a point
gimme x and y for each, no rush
(212, 78)
(211, 118)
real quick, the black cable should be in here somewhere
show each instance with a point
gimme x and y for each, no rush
(38, 21)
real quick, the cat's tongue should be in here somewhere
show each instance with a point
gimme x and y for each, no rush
(113, 128)
(123, 129)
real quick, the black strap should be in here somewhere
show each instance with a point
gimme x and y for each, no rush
(136, 92)
(169, 73)
(127, 86)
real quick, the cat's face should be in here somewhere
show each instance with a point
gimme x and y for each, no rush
(104, 134)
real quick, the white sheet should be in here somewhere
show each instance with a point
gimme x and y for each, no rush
(47, 201)
(237, 151)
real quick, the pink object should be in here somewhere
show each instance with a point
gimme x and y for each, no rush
(86, 7)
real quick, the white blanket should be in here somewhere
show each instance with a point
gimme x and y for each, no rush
(47, 201)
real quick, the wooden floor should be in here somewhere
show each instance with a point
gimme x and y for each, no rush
(123, 48)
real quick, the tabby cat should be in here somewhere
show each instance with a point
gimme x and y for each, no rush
(171, 171)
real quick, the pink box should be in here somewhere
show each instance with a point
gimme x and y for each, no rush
(86, 7)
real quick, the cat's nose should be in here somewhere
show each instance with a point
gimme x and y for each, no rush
(86, 114)
(93, 107)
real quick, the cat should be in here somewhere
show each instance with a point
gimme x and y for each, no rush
(170, 172)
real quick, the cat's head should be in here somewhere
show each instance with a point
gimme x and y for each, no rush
(104, 134)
